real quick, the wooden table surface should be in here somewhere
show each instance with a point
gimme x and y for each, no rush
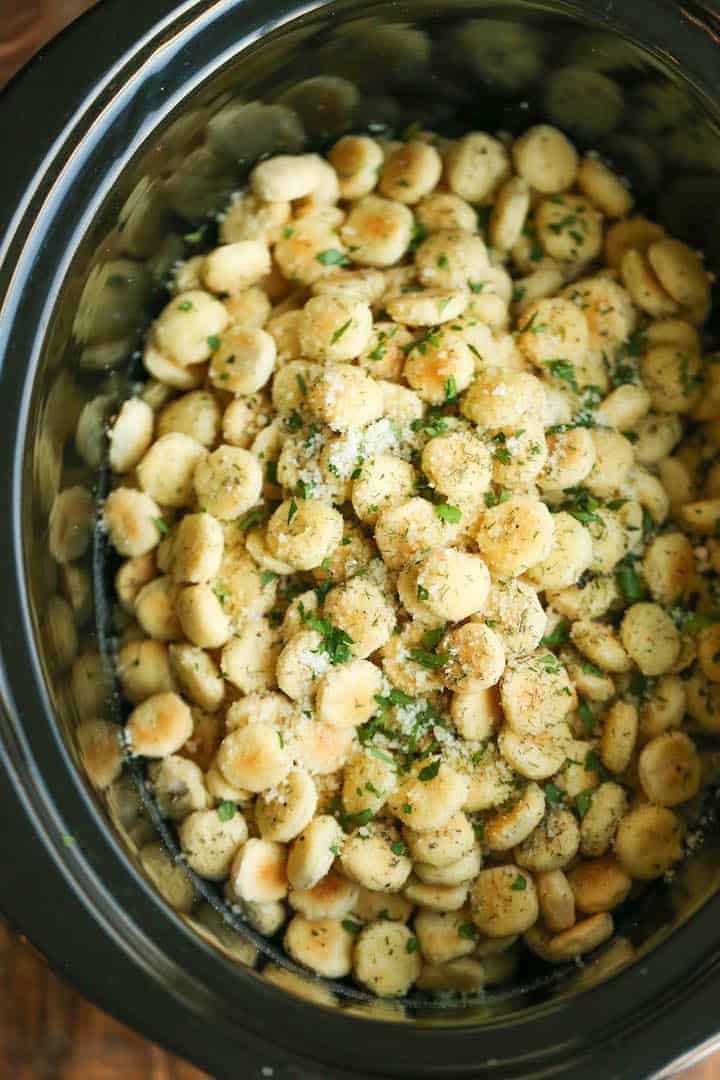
(50, 1032)
(47, 1030)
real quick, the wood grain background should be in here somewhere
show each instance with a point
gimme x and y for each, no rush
(47, 1030)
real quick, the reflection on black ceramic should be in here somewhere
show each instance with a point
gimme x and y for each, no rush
(301, 89)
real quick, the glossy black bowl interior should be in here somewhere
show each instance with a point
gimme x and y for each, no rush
(117, 175)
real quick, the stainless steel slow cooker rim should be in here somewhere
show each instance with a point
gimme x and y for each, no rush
(63, 752)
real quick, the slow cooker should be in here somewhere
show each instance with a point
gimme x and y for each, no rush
(124, 138)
